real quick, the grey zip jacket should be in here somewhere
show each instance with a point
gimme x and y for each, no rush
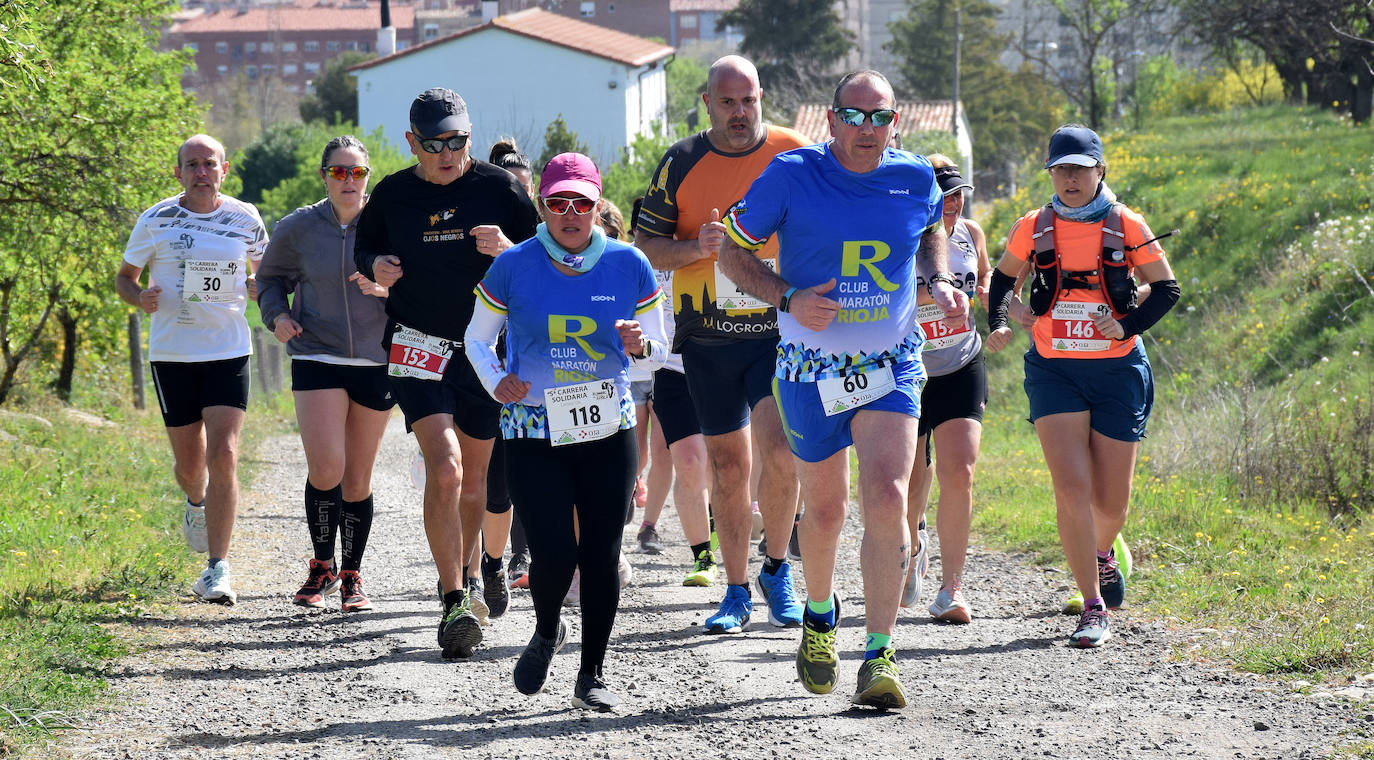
(311, 256)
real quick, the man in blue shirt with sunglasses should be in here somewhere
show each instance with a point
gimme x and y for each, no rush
(419, 236)
(851, 217)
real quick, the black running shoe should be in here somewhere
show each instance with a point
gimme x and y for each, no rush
(591, 693)
(496, 592)
(459, 631)
(533, 666)
(1110, 583)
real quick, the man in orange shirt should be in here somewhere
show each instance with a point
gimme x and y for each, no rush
(727, 338)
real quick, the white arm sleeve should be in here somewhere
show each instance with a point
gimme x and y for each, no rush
(655, 335)
(479, 343)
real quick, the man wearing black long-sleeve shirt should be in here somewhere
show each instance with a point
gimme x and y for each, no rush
(429, 233)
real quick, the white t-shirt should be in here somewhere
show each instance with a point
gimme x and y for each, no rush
(201, 263)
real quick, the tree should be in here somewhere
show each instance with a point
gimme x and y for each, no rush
(1010, 112)
(1322, 49)
(335, 99)
(794, 43)
(302, 185)
(81, 154)
(686, 83)
(629, 178)
(269, 159)
(559, 139)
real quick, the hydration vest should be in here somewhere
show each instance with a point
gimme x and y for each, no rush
(1113, 274)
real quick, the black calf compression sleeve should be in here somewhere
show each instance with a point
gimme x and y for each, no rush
(999, 299)
(1163, 295)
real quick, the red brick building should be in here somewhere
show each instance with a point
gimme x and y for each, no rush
(290, 41)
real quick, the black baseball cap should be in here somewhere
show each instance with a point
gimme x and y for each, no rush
(439, 110)
(950, 180)
(1073, 144)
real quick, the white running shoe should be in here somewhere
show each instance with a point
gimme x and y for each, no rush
(916, 571)
(950, 606)
(213, 585)
(624, 571)
(193, 527)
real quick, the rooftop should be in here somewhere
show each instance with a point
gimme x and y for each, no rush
(303, 16)
(916, 116)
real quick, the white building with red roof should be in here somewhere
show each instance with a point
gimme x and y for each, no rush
(518, 73)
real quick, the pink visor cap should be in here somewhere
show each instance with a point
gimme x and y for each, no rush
(570, 172)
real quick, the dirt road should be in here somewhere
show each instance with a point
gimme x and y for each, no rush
(266, 679)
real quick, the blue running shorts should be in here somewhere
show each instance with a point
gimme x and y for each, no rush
(815, 436)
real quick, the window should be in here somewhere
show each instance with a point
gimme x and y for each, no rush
(610, 7)
(365, 46)
(288, 47)
(588, 9)
(250, 47)
(267, 47)
(251, 71)
(312, 46)
(288, 69)
(222, 48)
(351, 45)
(191, 46)
(312, 67)
(333, 46)
(689, 20)
(269, 69)
(431, 31)
(222, 70)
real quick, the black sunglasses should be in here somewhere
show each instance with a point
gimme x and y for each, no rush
(437, 144)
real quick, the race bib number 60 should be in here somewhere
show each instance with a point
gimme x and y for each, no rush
(841, 394)
(582, 412)
(415, 354)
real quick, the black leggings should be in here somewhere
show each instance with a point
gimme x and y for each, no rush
(546, 485)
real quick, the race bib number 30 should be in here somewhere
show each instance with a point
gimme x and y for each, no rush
(729, 296)
(841, 394)
(1072, 327)
(582, 412)
(415, 354)
(212, 281)
(937, 332)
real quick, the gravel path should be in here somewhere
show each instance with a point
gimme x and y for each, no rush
(266, 679)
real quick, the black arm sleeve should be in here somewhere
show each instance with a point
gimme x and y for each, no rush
(999, 298)
(1163, 295)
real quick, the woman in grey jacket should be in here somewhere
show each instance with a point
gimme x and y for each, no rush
(333, 332)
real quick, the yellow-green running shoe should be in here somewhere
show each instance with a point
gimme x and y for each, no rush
(818, 666)
(703, 572)
(1074, 606)
(879, 685)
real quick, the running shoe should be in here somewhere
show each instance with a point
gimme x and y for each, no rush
(916, 570)
(818, 665)
(477, 594)
(1074, 605)
(703, 572)
(733, 615)
(1110, 583)
(784, 611)
(351, 597)
(624, 571)
(213, 585)
(794, 544)
(756, 522)
(715, 540)
(495, 592)
(590, 693)
(519, 571)
(459, 630)
(649, 540)
(1094, 629)
(950, 606)
(574, 597)
(532, 669)
(193, 527)
(879, 685)
(321, 581)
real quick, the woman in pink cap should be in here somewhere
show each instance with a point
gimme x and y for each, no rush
(579, 309)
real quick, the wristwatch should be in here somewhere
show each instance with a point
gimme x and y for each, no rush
(941, 277)
(785, 303)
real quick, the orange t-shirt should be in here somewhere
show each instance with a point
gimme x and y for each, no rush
(692, 179)
(1067, 331)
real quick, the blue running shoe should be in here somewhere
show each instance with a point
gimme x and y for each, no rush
(735, 608)
(784, 610)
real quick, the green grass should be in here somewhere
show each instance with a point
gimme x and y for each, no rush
(1253, 495)
(89, 539)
